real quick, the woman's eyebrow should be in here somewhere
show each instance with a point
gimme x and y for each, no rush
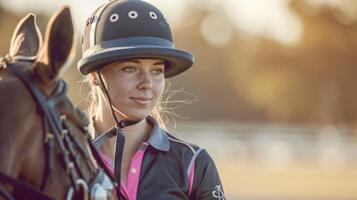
(159, 63)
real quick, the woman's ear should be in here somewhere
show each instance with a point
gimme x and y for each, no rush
(93, 78)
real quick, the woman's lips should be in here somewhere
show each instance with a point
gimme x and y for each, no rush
(142, 100)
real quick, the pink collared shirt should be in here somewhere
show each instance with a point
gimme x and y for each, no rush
(130, 189)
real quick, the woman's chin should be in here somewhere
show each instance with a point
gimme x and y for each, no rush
(135, 115)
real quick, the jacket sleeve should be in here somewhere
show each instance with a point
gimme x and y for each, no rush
(207, 184)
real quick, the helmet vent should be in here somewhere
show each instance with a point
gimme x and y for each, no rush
(133, 14)
(114, 17)
(153, 15)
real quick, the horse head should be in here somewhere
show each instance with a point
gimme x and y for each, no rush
(43, 139)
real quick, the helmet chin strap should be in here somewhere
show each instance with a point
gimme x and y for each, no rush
(113, 109)
(117, 131)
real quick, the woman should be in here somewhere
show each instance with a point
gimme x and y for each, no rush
(127, 54)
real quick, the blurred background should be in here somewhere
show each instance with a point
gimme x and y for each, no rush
(272, 95)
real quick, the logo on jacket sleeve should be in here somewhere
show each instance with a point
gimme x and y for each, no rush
(218, 193)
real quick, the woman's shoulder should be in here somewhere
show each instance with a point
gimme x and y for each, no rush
(178, 143)
(193, 151)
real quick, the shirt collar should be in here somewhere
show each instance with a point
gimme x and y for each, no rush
(158, 138)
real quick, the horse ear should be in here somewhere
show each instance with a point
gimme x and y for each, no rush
(58, 44)
(26, 39)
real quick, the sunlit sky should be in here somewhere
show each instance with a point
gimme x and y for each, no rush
(270, 18)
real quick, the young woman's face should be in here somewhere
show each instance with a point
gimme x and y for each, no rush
(135, 85)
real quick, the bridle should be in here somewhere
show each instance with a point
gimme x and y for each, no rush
(58, 131)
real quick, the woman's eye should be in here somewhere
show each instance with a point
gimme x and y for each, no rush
(158, 71)
(130, 69)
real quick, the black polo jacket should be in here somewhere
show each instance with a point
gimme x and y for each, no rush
(166, 165)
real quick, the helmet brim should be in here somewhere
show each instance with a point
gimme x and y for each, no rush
(178, 60)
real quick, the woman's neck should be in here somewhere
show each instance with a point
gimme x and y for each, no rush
(135, 135)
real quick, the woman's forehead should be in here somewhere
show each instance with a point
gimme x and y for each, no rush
(137, 61)
(142, 60)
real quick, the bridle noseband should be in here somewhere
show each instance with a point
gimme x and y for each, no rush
(57, 130)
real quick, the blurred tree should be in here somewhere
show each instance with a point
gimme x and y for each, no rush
(312, 82)
(257, 79)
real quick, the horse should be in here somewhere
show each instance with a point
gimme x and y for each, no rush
(45, 149)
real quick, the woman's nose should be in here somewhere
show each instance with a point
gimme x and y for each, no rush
(145, 81)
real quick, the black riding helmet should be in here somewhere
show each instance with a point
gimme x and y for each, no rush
(124, 29)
